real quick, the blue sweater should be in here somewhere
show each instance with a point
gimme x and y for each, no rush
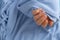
(17, 23)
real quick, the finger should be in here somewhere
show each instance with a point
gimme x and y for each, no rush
(45, 23)
(36, 17)
(39, 21)
(51, 23)
(36, 11)
(42, 11)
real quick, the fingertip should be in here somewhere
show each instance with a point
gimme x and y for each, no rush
(51, 23)
(45, 23)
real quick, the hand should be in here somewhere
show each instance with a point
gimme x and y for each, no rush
(41, 18)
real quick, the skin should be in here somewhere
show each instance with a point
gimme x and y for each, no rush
(41, 18)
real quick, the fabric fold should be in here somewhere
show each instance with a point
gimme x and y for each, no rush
(27, 8)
